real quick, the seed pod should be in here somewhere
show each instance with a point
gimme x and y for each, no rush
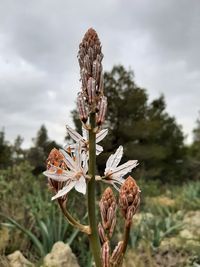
(105, 254)
(129, 199)
(83, 114)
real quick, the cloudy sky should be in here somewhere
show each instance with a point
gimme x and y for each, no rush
(39, 73)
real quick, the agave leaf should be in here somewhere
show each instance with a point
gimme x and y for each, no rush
(33, 238)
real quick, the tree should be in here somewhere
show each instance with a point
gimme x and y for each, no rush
(195, 147)
(5, 152)
(18, 152)
(41, 139)
(193, 166)
(38, 154)
(147, 132)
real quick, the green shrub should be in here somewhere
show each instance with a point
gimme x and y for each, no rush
(189, 198)
(154, 228)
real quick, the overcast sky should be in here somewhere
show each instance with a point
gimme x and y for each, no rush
(39, 72)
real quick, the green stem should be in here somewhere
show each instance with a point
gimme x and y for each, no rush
(126, 237)
(93, 237)
(119, 261)
(72, 221)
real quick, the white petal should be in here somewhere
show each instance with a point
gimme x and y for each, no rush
(99, 149)
(112, 182)
(77, 153)
(59, 177)
(80, 185)
(114, 159)
(64, 190)
(124, 168)
(84, 157)
(68, 160)
(100, 136)
(74, 135)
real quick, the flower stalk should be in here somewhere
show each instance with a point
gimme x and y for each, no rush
(93, 237)
(83, 228)
(74, 166)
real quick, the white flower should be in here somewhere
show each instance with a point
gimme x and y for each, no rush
(74, 177)
(113, 172)
(83, 140)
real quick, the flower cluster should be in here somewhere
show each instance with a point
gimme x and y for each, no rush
(72, 172)
(91, 98)
(68, 167)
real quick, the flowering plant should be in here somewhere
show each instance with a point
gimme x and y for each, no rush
(74, 165)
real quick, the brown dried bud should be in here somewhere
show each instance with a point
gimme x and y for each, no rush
(83, 113)
(56, 159)
(102, 106)
(105, 254)
(129, 199)
(117, 254)
(108, 207)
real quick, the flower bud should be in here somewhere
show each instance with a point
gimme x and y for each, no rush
(87, 64)
(101, 85)
(129, 199)
(96, 70)
(108, 207)
(102, 110)
(83, 113)
(102, 234)
(105, 254)
(117, 254)
(84, 78)
(90, 57)
(91, 90)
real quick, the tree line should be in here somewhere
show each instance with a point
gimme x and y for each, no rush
(146, 130)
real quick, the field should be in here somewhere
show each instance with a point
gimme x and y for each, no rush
(165, 231)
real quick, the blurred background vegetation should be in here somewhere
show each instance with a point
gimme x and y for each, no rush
(165, 231)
